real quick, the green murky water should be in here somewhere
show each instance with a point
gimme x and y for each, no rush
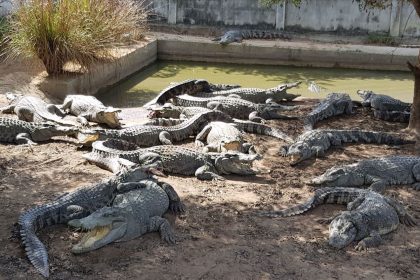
(143, 86)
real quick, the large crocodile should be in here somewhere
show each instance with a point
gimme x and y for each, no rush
(238, 35)
(133, 213)
(34, 109)
(149, 135)
(334, 104)
(74, 205)
(22, 132)
(378, 173)
(385, 107)
(369, 215)
(317, 142)
(171, 159)
(257, 95)
(236, 107)
(89, 108)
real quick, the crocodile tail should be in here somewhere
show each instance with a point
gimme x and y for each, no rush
(309, 122)
(321, 196)
(262, 129)
(353, 136)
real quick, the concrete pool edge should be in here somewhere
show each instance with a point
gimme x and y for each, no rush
(199, 49)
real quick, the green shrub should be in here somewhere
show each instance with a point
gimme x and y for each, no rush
(79, 31)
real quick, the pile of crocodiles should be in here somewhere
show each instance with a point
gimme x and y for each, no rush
(218, 116)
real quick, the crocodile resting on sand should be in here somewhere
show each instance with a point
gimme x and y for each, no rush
(257, 95)
(316, 142)
(74, 205)
(236, 107)
(34, 109)
(22, 132)
(334, 104)
(138, 210)
(238, 35)
(88, 108)
(114, 154)
(378, 173)
(149, 135)
(369, 215)
(386, 107)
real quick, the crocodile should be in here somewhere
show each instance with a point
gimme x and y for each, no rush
(88, 108)
(186, 87)
(171, 159)
(150, 135)
(334, 104)
(74, 205)
(237, 108)
(138, 210)
(219, 87)
(22, 132)
(369, 215)
(257, 95)
(34, 109)
(386, 107)
(378, 173)
(316, 142)
(238, 35)
(169, 110)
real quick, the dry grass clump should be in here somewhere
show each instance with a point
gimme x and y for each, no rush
(78, 31)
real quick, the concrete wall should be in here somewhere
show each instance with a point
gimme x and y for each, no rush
(317, 15)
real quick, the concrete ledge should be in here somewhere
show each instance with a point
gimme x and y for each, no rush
(308, 54)
(132, 59)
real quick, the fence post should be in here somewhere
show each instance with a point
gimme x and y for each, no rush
(172, 7)
(281, 15)
(395, 22)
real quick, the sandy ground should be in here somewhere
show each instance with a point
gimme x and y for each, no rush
(219, 237)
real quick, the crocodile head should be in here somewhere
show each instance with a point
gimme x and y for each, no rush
(338, 176)
(342, 231)
(48, 130)
(235, 163)
(168, 110)
(298, 152)
(108, 116)
(105, 225)
(230, 37)
(12, 96)
(365, 95)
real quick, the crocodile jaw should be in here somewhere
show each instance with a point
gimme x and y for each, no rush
(295, 159)
(87, 138)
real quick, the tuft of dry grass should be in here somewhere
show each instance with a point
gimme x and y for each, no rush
(78, 31)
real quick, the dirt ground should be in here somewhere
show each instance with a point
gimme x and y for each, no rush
(219, 237)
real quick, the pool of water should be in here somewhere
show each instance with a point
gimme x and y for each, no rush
(146, 84)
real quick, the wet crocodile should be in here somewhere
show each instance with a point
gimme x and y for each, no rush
(171, 159)
(74, 205)
(34, 109)
(257, 95)
(88, 108)
(315, 143)
(133, 213)
(236, 107)
(334, 104)
(369, 215)
(149, 135)
(385, 107)
(238, 35)
(378, 173)
(22, 132)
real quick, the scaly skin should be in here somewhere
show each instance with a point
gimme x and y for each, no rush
(334, 104)
(22, 132)
(317, 142)
(77, 204)
(88, 108)
(369, 215)
(378, 173)
(236, 107)
(133, 213)
(238, 35)
(392, 116)
(171, 159)
(149, 135)
(257, 95)
(34, 109)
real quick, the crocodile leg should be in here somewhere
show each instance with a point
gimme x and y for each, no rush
(373, 240)
(7, 109)
(165, 138)
(404, 217)
(25, 114)
(75, 212)
(356, 203)
(206, 172)
(82, 120)
(201, 137)
(379, 186)
(129, 186)
(175, 204)
(53, 109)
(162, 225)
(66, 105)
(24, 138)
(248, 148)
(212, 148)
(254, 117)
